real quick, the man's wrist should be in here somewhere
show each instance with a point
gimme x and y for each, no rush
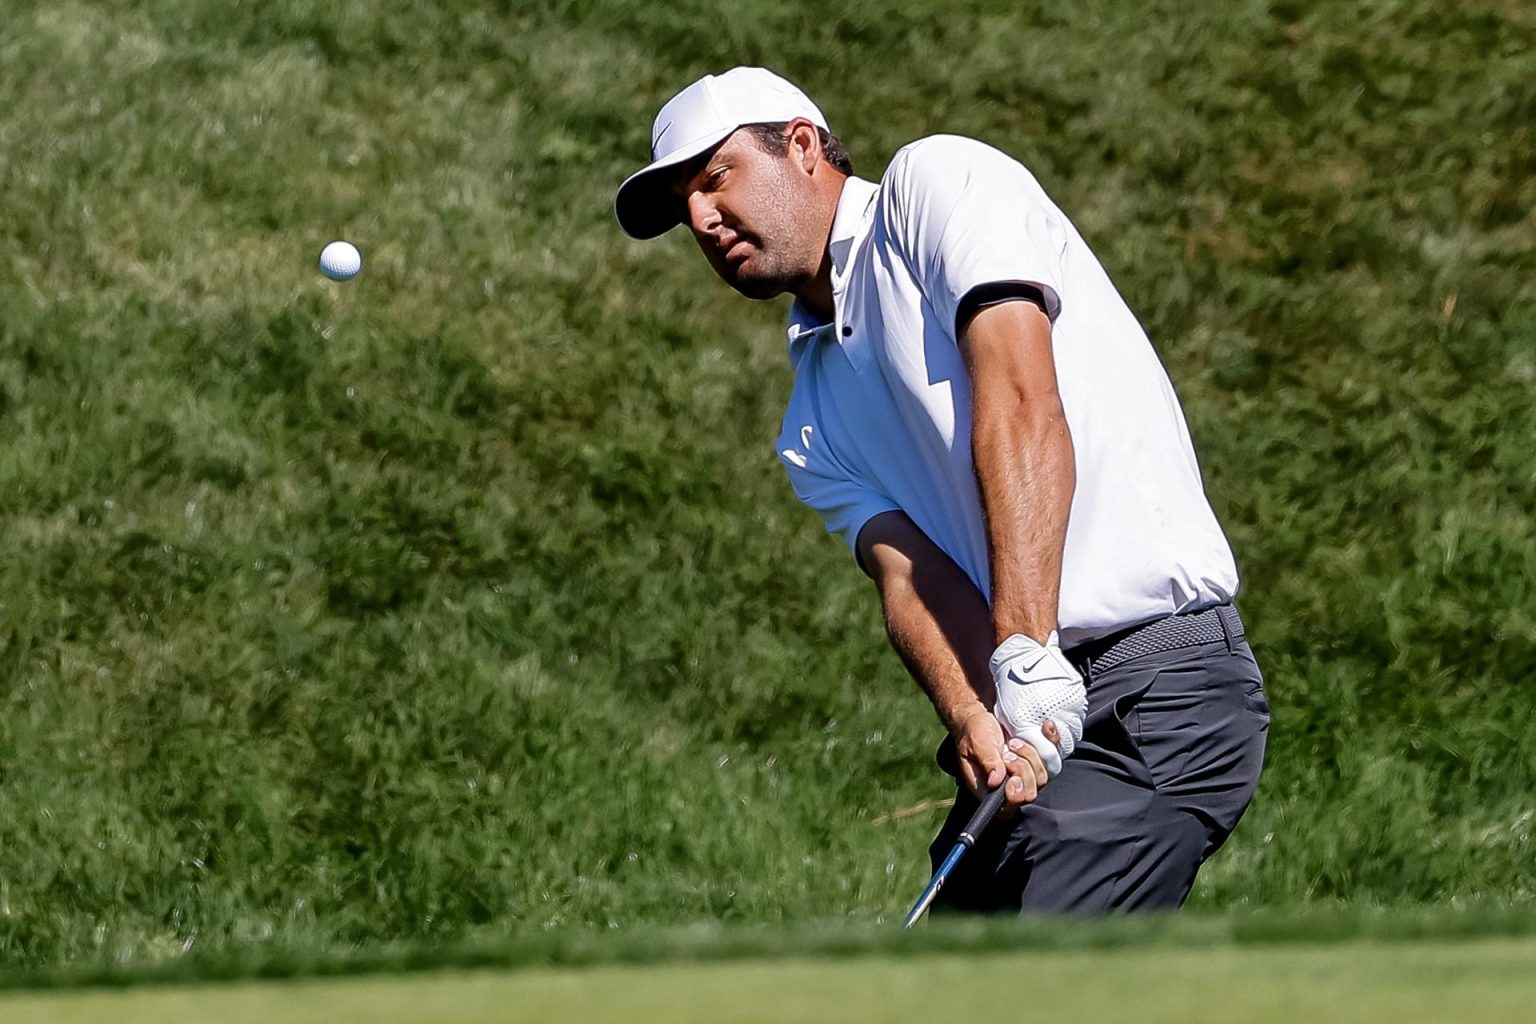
(956, 718)
(1036, 631)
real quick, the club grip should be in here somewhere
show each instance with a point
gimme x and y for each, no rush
(984, 814)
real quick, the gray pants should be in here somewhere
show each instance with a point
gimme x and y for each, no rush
(1170, 757)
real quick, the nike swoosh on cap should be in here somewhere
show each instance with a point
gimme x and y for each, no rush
(657, 140)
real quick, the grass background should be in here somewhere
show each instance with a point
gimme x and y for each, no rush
(466, 599)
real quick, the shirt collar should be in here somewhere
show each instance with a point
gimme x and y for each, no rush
(848, 224)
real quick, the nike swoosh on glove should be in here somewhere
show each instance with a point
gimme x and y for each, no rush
(1035, 682)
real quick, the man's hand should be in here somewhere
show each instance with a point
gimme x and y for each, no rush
(986, 760)
(1037, 688)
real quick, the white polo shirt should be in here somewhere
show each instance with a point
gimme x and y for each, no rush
(880, 414)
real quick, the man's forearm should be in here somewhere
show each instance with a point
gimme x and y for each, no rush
(940, 625)
(937, 621)
(1025, 469)
(1021, 449)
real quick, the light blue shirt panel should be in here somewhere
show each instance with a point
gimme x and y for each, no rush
(880, 419)
(827, 473)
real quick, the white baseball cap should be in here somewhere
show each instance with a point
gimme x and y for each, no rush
(693, 122)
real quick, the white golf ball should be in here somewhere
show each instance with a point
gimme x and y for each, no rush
(340, 261)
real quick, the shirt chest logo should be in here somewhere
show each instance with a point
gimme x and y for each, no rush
(799, 458)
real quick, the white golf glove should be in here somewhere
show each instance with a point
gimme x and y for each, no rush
(1036, 682)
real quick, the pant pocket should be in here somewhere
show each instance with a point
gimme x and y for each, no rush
(1169, 721)
(1257, 703)
(1109, 734)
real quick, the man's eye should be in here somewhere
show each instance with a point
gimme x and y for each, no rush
(715, 177)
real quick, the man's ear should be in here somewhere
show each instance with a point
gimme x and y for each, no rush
(805, 144)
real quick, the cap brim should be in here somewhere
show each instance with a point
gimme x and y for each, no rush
(644, 205)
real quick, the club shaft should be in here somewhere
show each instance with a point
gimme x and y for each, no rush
(973, 828)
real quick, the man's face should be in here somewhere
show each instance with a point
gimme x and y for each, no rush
(743, 206)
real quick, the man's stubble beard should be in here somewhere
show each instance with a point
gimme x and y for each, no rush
(764, 282)
(776, 268)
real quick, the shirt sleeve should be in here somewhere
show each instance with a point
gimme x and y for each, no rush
(844, 503)
(966, 215)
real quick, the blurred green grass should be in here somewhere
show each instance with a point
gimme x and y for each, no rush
(466, 597)
(1485, 980)
(1338, 925)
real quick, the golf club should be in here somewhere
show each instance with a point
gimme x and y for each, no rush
(973, 828)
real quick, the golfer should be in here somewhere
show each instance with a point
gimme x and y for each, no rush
(978, 414)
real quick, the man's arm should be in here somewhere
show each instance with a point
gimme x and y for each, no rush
(939, 624)
(1022, 452)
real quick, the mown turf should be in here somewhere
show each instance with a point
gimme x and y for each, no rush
(466, 598)
(1488, 981)
(744, 942)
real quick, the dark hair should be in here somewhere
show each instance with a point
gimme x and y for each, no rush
(773, 139)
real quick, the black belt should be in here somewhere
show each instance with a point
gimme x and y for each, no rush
(1192, 629)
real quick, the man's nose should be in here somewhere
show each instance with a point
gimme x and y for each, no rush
(702, 215)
